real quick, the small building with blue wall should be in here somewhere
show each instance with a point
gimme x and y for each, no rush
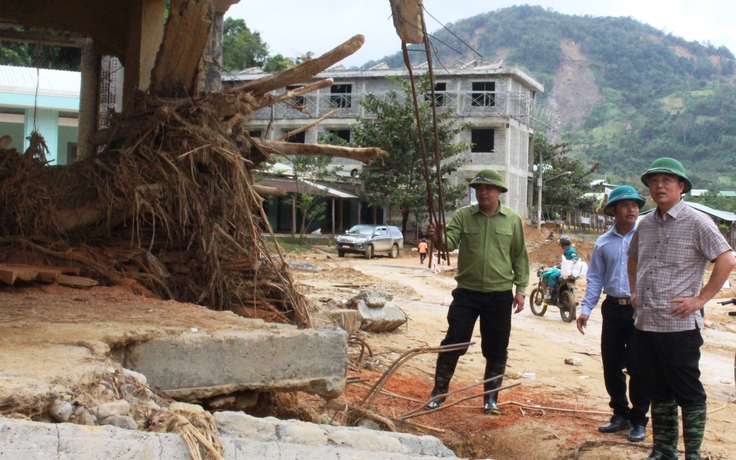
(43, 100)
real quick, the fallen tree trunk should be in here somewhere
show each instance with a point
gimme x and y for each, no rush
(185, 37)
(362, 154)
(304, 71)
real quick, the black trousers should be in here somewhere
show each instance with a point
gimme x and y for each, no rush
(670, 366)
(494, 310)
(617, 352)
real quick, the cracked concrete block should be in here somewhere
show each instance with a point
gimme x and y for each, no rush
(344, 318)
(22, 439)
(385, 319)
(238, 424)
(363, 439)
(372, 299)
(295, 432)
(193, 366)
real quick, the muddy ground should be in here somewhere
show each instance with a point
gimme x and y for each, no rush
(551, 413)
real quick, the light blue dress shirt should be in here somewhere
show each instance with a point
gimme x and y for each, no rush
(607, 269)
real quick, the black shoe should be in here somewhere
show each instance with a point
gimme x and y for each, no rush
(490, 407)
(617, 423)
(637, 433)
(433, 405)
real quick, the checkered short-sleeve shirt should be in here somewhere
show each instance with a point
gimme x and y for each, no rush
(672, 252)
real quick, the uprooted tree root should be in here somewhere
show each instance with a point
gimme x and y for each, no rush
(169, 203)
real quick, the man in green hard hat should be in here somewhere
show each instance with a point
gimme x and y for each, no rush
(492, 260)
(607, 272)
(667, 259)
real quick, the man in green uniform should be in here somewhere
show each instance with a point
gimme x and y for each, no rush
(492, 260)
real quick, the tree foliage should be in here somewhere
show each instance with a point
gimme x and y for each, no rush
(241, 47)
(310, 207)
(560, 190)
(396, 182)
(22, 54)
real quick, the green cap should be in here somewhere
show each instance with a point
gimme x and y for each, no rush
(620, 193)
(489, 177)
(667, 165)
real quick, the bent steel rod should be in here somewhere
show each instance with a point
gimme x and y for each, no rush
(376, 388)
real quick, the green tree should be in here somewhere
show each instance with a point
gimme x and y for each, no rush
(277, 63)
(396, 181)
(713, 199)
(567, 192)
(242, 48)
(311, 207)
(23, 54)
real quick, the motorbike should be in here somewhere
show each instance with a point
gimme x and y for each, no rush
(564, 298)
(731, 313)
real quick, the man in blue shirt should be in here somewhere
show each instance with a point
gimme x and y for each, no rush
(607, 272)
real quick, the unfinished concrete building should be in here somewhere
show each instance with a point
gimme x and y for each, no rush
(495, 104)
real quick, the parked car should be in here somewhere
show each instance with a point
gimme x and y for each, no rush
(370, 240)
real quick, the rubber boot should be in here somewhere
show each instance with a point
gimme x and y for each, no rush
(693, 429)
(442, 375)
(665, 425)
(490, 401)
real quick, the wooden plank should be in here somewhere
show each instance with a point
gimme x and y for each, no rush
(77, 281)
(10, 273)
(7, 276)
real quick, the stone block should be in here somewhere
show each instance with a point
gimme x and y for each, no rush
(385, 319)
(349, 320)
(372, 299)
(194, 366)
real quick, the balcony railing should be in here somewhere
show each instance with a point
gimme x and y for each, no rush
(463, 104)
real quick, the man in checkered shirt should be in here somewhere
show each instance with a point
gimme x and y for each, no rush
(668, 255)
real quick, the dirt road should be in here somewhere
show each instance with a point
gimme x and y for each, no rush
(559, 405)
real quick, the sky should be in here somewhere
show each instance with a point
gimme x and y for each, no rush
(294, 27)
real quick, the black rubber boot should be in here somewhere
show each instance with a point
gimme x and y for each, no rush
(665, 425)
(443, 373)
(693, 429)
(490, 401)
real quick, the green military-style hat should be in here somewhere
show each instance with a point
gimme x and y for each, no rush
(489, 177)
(620, 193)
(667, 165)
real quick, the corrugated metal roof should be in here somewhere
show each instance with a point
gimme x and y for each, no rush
(305, 186)
(723, 215)
(50, 82)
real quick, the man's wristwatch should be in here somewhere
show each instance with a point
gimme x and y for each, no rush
(521, 293)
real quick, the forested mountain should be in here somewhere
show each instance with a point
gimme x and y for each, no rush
(621, 92)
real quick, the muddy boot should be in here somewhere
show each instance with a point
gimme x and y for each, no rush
(490, 401)
(442, 375)
(693, 429)
(665, 425)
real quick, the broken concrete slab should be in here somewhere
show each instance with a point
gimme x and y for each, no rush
(372, 298)
(270, 429)
(344, 318)
(242, 436)
(194, 366)
(385, 319)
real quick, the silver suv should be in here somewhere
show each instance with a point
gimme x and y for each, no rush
(371, 239)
